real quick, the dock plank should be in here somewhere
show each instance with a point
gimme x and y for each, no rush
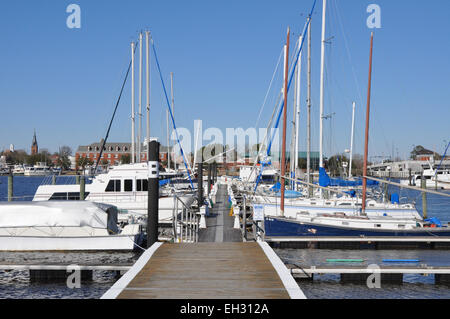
(207, 271)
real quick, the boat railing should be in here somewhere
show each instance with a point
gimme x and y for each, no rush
(64, 180)
(185, 221)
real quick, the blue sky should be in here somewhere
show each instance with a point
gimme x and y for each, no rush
(64, 82)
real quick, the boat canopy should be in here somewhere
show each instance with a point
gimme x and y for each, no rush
(326, 181)
(59, 214)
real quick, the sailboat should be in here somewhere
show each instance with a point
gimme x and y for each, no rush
(366, 221)
(343, 214)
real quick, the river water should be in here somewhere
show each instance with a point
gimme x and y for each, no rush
(16, 284)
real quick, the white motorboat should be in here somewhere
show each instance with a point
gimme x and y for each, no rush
(124, 186)
(39, 169)
(64, 226)
(433, 178)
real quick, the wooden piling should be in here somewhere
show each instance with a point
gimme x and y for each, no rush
(82, 188)
(424, 196)
(10, 186)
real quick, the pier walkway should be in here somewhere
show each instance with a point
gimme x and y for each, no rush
(219, 267)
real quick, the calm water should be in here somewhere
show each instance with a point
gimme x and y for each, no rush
(16, 284)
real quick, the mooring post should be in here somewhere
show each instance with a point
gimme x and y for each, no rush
(386, 194)
(410, 177)
(424, 196)
(82, 188)
(200, 184)
(209, 178)
(153, 193)
(244, 223)
(10, 186)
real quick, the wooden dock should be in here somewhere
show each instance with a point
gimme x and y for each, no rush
(207, 271)
(220, 267)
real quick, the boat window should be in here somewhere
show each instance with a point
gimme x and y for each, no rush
(378, 225)
(128, 187)
(113, 186)
(142, 185)
(67, 196)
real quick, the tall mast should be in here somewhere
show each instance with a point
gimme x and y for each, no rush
(140, 100)
(293, 131)
(322, 80)
(351, 142)
(147, 36)
(133, 150)
(298, 104)
(285, 91)
(173, 107)
(366, 147)
(168, 152)
(308, 125)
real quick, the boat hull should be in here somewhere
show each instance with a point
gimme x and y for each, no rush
(92, 243)
(279, 227)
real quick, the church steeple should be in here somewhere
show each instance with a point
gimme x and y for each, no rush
(34, 145)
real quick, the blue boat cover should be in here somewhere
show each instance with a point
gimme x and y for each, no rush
(164, 182)
(434, 221)
(326, 181)
(395, 199)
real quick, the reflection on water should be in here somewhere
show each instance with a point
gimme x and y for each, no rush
(329, 286)
(17, 285)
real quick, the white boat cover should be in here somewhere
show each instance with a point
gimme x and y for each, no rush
(58, 214)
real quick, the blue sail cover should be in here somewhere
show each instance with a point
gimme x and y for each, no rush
(287, 193)
(326, 181)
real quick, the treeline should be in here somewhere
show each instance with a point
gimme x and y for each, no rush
(58, 159)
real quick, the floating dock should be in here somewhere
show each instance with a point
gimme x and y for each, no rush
(388, 274)
(360, 242)
(219, 267)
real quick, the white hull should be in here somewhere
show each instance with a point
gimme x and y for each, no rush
(91, 243)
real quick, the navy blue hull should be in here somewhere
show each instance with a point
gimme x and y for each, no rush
(278, 227)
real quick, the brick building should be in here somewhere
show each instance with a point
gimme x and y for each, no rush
(113, 152)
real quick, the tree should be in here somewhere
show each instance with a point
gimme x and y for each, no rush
(335, 164)
(83, 162)
(125, 159)
(65, 151)
(64, 162)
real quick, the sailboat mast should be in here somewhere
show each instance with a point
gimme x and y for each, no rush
(283, 151)
(140, 100)
(322, 81)
(366, 147)
(133, 150)
(351, 142)
(308, 124)
(298, 104)
(147, 36)
(173, 108)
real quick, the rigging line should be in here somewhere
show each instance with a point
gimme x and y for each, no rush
(294, 66)
(261, 148)
(171, 114)
(307, 24)
(442, 160)
(270, 87)
(114, 114)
